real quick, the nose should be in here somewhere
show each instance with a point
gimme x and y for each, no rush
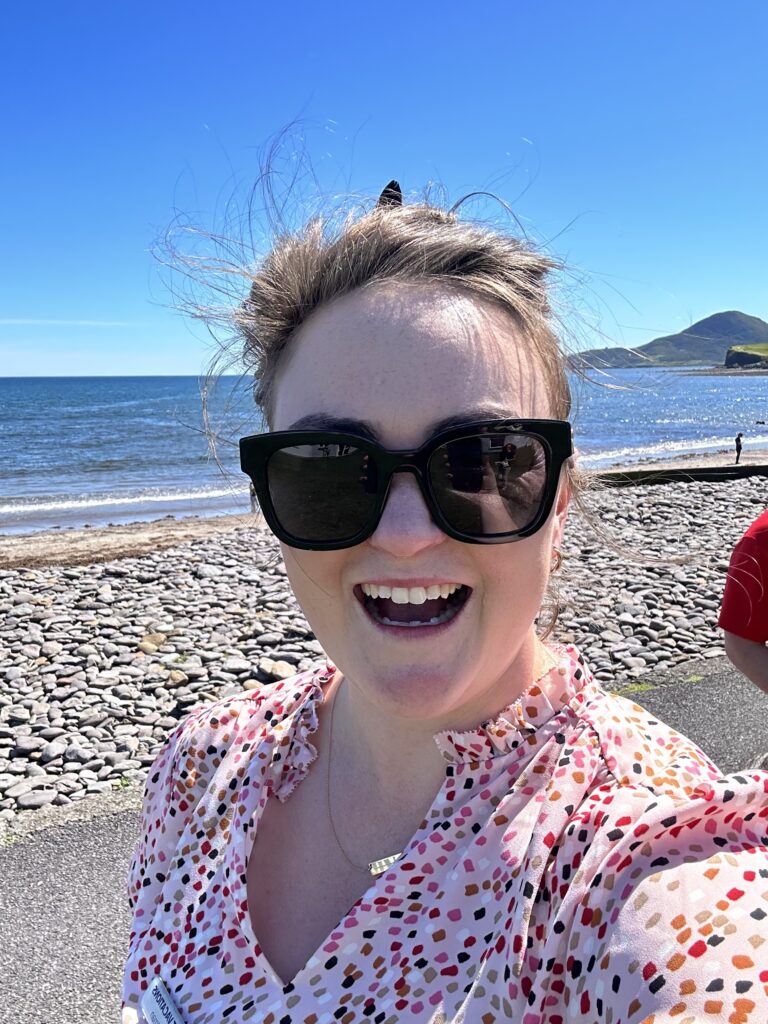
(406, 527)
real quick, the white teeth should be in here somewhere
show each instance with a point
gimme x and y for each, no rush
(410, 595)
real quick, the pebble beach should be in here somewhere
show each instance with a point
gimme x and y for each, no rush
(107, 643)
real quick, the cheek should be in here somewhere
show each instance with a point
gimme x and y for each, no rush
(314, 577)
(516, 579)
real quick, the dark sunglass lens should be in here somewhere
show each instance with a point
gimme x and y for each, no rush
(488, 484)
(322, 492)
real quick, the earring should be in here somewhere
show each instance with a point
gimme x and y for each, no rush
(557, 561)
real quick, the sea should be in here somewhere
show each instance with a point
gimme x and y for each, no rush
(88, 451)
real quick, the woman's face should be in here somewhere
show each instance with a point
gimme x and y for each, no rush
(401, 358)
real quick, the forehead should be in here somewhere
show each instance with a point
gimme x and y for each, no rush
(402, 357)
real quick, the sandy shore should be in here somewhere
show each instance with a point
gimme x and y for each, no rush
(88, 546)
(721, 457)
(92, 545)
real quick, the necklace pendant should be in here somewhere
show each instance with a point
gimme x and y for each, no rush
(378, 867)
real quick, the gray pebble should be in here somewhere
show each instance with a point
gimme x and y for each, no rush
(51, 751)
(36, 799)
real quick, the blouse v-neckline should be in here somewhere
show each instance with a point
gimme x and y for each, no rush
(293, 754)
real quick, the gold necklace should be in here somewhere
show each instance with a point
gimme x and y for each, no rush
(374, 867)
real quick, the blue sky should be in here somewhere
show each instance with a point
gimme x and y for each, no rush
(630, 137)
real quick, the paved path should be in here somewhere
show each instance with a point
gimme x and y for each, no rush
(63, 910)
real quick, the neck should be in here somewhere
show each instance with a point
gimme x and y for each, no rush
(390, 755)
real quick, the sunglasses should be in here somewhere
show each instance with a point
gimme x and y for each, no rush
(484, 483)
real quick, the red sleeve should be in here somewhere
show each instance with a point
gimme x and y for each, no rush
(745, 600)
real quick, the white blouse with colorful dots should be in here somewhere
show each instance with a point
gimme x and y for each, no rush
(582, 861)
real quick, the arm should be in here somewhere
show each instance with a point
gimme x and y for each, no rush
(684, 945)
(672, 927)
(750, 657)
(163, 819)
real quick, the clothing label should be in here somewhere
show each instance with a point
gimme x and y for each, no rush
(157, 1007)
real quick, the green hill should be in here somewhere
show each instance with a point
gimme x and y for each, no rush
(705, 342)
(747, 355)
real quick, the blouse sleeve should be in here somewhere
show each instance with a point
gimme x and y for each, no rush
(673, 925)
(164, 815)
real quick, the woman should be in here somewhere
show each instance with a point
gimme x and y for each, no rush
(450, 821)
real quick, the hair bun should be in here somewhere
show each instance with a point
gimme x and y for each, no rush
(392, 195)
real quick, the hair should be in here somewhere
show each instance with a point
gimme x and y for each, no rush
(323, 260)
(318, 263)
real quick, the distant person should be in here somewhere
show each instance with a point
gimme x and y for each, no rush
(744, 613)
(505, 464)
(738, 446)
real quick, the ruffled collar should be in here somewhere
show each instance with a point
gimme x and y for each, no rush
(294, 718)
(557, 688)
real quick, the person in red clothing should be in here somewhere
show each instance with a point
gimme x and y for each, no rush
(744, 612)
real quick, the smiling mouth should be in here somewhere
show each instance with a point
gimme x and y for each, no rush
(433, 611)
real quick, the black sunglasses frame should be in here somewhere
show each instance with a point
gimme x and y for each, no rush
(256, 450)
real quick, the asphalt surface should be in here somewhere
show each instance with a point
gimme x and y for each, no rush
(64, 919)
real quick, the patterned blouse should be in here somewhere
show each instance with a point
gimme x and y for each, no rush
(582, 861)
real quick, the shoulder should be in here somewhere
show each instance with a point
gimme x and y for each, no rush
(669, 901)
(661, 805)
(667, 868)
(226, 729)
(659, 798)
(756, 533)
(643, 752)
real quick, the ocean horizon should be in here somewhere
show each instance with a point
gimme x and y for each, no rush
(77, 451)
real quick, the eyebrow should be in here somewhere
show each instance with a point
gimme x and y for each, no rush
(324, 421)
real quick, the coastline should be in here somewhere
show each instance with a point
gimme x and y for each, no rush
(721, 371)
(723, 457)
(95, 544)
(91, 545)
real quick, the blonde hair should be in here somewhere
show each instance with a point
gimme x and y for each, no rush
(310, 267)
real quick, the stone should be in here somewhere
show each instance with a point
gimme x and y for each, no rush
(236, 665)
(36, 799)
(158, 639)
(26, 745)
(283, 670)
(269, 639)
(25, 786)
(216, 617)
(75, 753)
(51, 751)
